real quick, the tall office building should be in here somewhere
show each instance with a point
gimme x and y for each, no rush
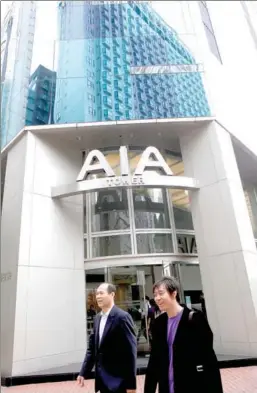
(41, 97)
(17, 36)
(115, 62)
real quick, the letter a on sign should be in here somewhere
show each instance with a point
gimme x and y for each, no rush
(157, 161)
(95, 163)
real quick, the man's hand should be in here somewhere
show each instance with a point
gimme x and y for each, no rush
(80, 381)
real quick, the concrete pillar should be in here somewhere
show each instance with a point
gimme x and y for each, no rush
(10, 240)
(227, 253)
(49, 317)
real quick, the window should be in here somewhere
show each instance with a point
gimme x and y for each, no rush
(91, 62)
(151, 243)
(90, 84)
(109, 210)
(111, 245)
(151, 208)
(91, 74)
(91, 97)
(91, 111)
(209, 30)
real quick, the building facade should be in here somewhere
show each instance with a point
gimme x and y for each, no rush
(41, 97)
(148, 169)
(102, 46)
(17, 37)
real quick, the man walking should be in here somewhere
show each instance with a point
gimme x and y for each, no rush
(182, 358)
(112, 347)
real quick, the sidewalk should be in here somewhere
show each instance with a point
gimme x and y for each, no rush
(235, 380)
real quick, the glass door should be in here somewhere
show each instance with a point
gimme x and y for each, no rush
(93, 279)
(134, 294)
(131, 296)
(189, 278)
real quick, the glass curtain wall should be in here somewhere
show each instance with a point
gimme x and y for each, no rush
(134, 222)
(140, 220)
(98, 62)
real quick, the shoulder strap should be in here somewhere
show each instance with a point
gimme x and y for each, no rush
(190, 315)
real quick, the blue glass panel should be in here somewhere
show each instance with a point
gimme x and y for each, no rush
(83, 73)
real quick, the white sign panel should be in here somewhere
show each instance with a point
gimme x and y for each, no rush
(151, 159)
(166, 69)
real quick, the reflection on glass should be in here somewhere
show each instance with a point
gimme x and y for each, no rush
(154, 243)
(181, 209)
(134, 156)
(112, 156)
(186, 244)
(41, 94)
(89, 53)
(151, 209)
(109, 210)
(174, 161)
(111, 245)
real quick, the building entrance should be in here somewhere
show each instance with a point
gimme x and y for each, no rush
(190, 282)
(134, 292)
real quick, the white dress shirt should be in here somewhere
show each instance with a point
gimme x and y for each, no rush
(104, 317)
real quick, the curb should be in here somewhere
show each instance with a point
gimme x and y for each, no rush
(36, 379)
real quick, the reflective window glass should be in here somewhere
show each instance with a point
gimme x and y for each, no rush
(109, 210)
(151, 208)
(151, 243)
(181, 209)
(111, 245)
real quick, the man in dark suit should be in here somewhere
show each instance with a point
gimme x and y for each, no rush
(182, 357)
(112, 347)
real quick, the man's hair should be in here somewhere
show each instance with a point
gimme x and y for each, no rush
(109, 287)
(170, 284)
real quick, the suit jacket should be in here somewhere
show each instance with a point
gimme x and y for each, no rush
(195, 364)
(115, 357)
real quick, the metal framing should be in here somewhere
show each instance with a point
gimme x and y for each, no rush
(181, 182)
(133, 232)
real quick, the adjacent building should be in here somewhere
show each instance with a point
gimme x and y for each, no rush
(41, 97)
(17, 37)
